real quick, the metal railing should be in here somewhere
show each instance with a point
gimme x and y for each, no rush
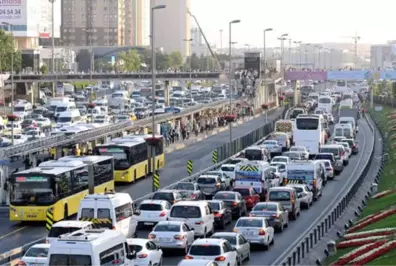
(318, 229)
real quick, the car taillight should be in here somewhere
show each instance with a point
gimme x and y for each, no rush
(217, 214)
(262, 232)
(162, 214)
(200, 222)
(314, 182)
(221, 258)
(21, 263)
(252, 214)
(193, 196)
(275, 215)
(234, 203)
(114, 228)
(178, 237)
(235, 230)
(188, 257)
(152, 236)
(142, 256)
(217, 184)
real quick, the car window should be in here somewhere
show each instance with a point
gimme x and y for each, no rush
(205, 250)
(224, 196)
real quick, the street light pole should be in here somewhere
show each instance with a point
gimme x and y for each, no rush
(53, 43)
(265, 71)
(153, 81)
(230, 72)
(299, 48)
(290, 47)
(282, 38)
(10, 30)
(190, 66)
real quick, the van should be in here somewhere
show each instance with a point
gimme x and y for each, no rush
(337, 150)
(351, 121)
(287, 196)
(198, 215)
(343, 130)
(67, 227)
(66, 119)
(64, 107)
(23, 109)
(111, 210)
(325, 103)
(90, 247)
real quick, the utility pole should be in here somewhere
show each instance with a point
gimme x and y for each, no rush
(221, 40)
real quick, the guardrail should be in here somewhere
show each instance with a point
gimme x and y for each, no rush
(297, 251)
(41, 144)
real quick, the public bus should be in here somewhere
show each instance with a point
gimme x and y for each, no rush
(132, 157)
(57, 185)
(310, 133)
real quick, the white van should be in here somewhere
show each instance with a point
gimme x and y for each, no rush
(351, 121)
(64, 107)
(103, 104)
(343, 130)
(67, 227)
(90, 247)
(23, 109)
(325, 103)
(112, 210)
(196, 214)
(67, 119)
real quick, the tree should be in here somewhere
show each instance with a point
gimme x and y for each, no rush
(7, 47)
(103, 65)
(164, 61)
(176, 59)
(129, 61)
(44, 69)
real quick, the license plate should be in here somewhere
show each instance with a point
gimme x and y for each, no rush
(248, 233)
(162, 239)
(148, 223)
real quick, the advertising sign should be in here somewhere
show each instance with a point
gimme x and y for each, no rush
(349, 75)
(305, 75)
(252, 62)
(388, 75)
(13, 11)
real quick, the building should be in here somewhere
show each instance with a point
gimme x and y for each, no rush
(93, 23)
(29, 19)
(196, 37)
(381, 56)
(172, 25)
(137, 22)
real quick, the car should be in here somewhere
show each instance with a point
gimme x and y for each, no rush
(28, 122)
(293, 155)
(197, 263)
(189, 191)
(210, 184)
(348, 150)
(35, 255)
(273, 146)
(224, 178)
(335, 163)
(219, 250)
(256, 230)
(305, 195)
(150, 212)
(234, 200)
(237, 241)
(289, 199)
(43, 122)
(302, 150)
(354, 144)
(171, 196)
(274, 212)
(277, 173)
(222, 213)
(338, 139)
(145, 251)
(329, 170)
(172, 235)
(280, 159)
(229, 170)
(249, 194)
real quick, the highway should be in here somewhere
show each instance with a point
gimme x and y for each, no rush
(15, 235)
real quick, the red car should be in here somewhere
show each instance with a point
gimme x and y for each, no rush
(249, 195)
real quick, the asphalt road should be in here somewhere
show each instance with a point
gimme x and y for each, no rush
(15, 235)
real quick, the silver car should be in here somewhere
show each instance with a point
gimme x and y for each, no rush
(172, 235)
(273, 146)
(256, 230)
(237, 241)
(276, 215)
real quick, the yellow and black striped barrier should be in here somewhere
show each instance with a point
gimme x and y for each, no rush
(50, 219)
(214, 156)
(189, 167)
(156, 182)
(97, 220)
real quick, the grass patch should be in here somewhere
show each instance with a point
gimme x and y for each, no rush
(376, 205)
(389, 221)
(386, 259)
(340, 253)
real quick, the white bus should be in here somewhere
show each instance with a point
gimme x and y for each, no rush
(309, 133)
(325, 103)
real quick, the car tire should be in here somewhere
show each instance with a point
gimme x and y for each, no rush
(280, 228)
(272, 241)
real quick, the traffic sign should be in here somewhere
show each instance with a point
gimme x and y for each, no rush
(214, 156)
(189, 167)
(156, 181)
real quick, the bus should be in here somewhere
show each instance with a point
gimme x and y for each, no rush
(325, 103)
(132, 157)
(309, 132)
(58, 186)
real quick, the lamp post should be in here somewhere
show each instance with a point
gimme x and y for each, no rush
(290, 61)
(299, 51)
(53, 43)
(189, 66)
(230, 73)
(91, 55)
(282, 38)
(306, 53)
(153, 82)
(319, 50)
(265, 69)
(12, 67)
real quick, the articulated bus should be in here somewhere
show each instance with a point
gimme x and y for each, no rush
(310, 133)
(58, 186)
(132, 157)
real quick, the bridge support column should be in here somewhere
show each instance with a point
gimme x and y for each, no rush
(166, 92)
(58, 152)
(4, 188)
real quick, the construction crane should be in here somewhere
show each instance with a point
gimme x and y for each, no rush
(356, 39)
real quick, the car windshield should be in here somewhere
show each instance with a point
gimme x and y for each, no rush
(36, 252)
(249, 223)
(299, 189)
(243, 191)
(58, 230)
(168, 196)
(134, 249)
(167, 228)
(280, 160)
(228, 168)
(224, 196)
(279, 196)
(206, 180)
(215, 206)
(64, 119)
(231, 239)
(185, 186)
(205, 250)
(265, 207)
(150, 207)
(185, 212)
(297, 149)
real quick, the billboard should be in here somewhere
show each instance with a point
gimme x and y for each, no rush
(13, 11)
(349, 75)
(252, 62)
(305, 75)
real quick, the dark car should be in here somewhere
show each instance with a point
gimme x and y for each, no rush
(190, 191)
(234, 201)
(222, 213)
(171, 196)
(274, 212)
(353, 144)
(338, 167)
(249, 195)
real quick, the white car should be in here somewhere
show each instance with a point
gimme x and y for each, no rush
(306, 196)
(239, 242)
(329, 170)
(224, 177)
(273, 146)
(43, 122)
(152, 211)
(219, 250)
(19, 139)
(228, 170)
(348, 150)
(172, 235)
(36, 255)
(280, 159)
(302, 150)
(147, 253)
(256, 230)
(198, 263)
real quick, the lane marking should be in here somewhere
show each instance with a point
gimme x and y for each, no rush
(12, 232)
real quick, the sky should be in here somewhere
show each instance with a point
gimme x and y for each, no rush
(309, 21)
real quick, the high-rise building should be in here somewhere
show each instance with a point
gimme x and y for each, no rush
(172, 25)
(93, 22)
(196, 37)
(137, 22)
(381, 56)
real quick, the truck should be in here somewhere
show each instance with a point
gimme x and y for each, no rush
(254, 174)
(285, 126)
(352, 112)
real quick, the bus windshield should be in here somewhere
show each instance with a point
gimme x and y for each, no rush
(119, 154)
(253, 155)
(34, 190)
(307, 123)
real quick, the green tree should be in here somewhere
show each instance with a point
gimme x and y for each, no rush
(176, 59)
(7, 47)
(103, 65)
(164, 61)
(44, 69)
(129, 61)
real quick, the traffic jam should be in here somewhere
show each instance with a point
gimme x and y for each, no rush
(225, 215)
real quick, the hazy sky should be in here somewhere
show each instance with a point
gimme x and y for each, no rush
(304, 20)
